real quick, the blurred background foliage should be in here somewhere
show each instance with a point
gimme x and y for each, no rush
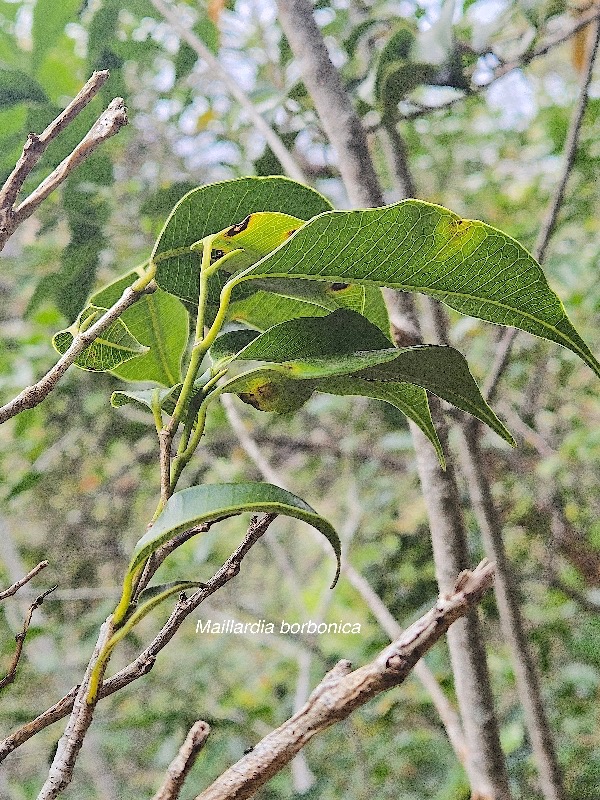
(79, 479)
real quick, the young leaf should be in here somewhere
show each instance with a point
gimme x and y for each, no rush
(216, 207)
(211, 502)
(111, 349)
(255, 236)
(417, 246)
(160, 322)
(143, 398)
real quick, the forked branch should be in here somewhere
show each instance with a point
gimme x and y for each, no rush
(342, 691)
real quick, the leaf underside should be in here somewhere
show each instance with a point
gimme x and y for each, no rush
(210, 502)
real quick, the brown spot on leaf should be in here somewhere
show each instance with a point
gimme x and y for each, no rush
(339, 287)
(289, 233)
(239, 228)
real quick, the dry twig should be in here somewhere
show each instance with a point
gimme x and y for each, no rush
(22, 581)
(342, 691)
(20, 637)
(109, 123)
(183, 762)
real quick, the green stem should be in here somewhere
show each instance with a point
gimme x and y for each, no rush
(198, 350)
(156, 410)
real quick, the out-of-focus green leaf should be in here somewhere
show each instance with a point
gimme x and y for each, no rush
(17, 87)
(49, 20)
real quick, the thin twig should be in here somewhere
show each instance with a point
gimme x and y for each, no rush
(342, 691)
(183, 761)
(108, 124)
(145, 661)
(37, 145)
(33, 395)
(273, 140)
(570, 151)
(510, 66)
(22, 581)
(20, 637)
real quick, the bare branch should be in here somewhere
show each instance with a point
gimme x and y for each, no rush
(36, 146)
(33, 395)
(20, 637)
(510, 66)
(22, 581)
(183, 762)
(145, 661)
(277, 146)
(108, 124)
(570, 151)
(341, 691)
(447, 713)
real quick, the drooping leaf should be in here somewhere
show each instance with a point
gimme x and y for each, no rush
(411, 400)
(341, 333)
(417, 246)
(111, 349)
(342, 344)
(211, 502)
(160, 322)
(216, 207)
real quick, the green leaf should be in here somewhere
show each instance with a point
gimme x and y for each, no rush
(158, 321)
(17, 87)
(111, 349)
(443, 371)
(216, 207)
(342, 333)
(345, 343)
(284, 300)
(417, 246)
(409, 399)
(211, 502)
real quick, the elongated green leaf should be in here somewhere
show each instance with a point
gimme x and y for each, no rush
(416, 246)
(160, 322)
(443, 371)
(337, 345)
(342, 333)
(211, 502)
(216, 207)
(111, 349)
(409, 399)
